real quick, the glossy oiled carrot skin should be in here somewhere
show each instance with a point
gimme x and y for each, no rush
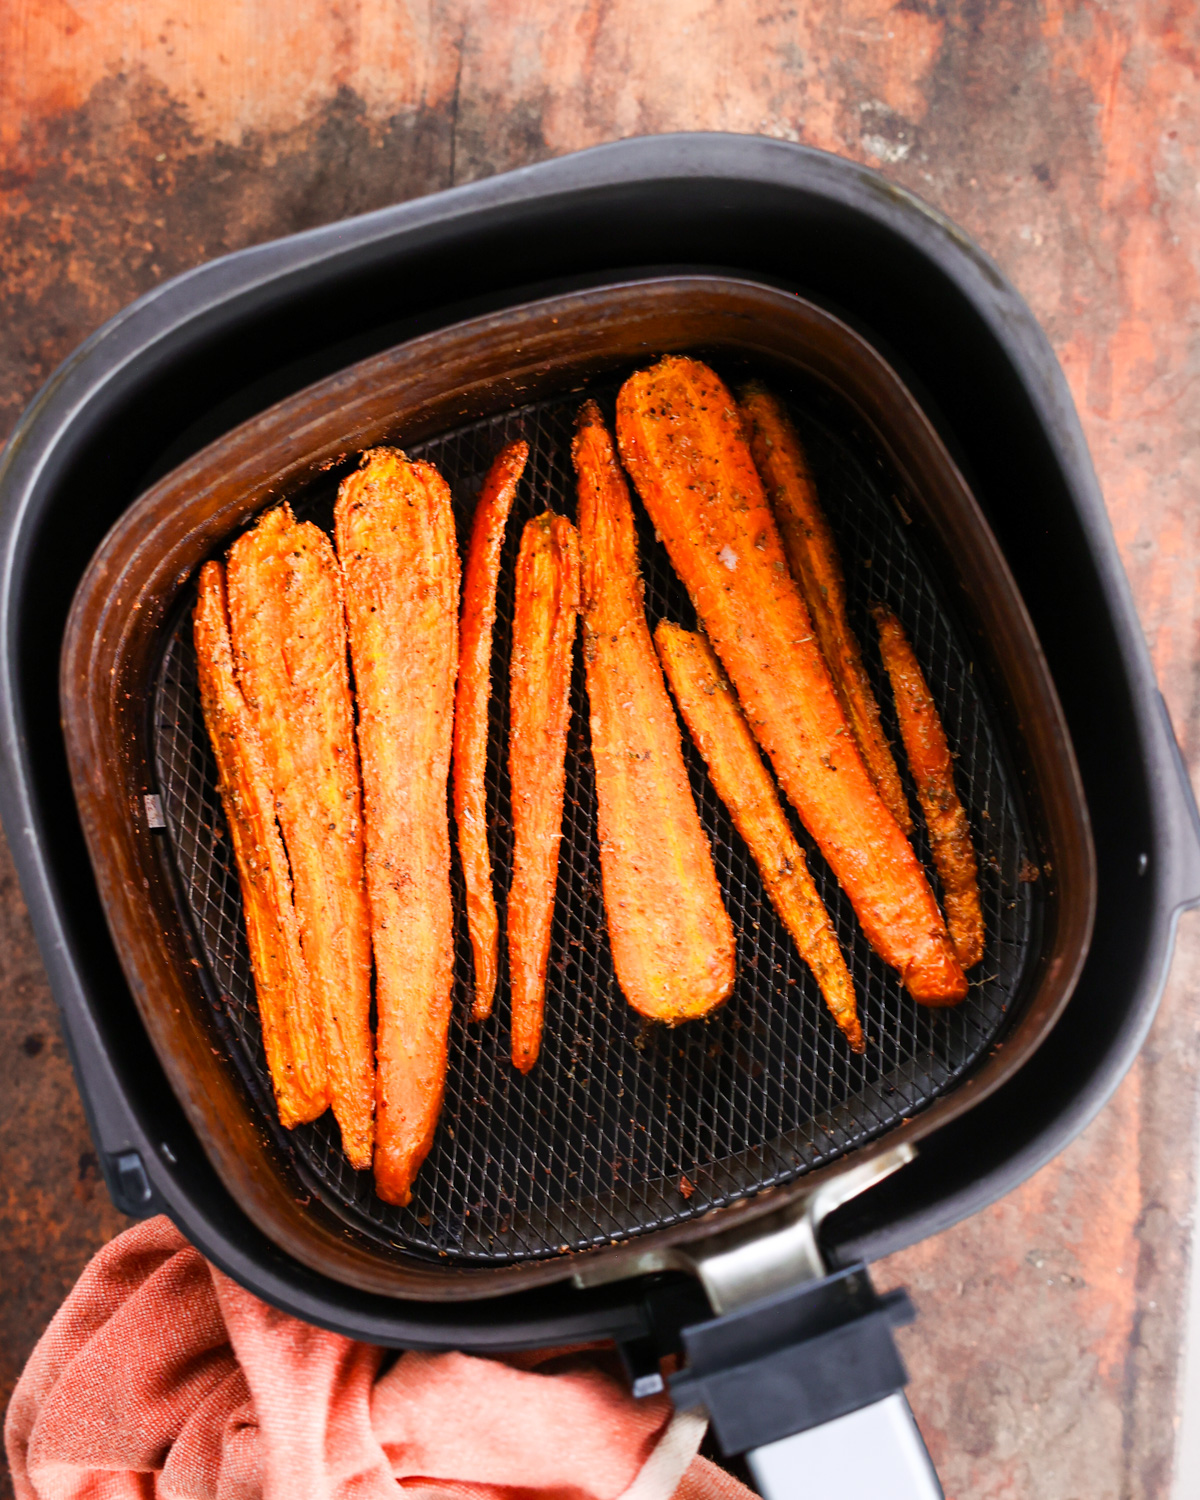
(471, 714)
(681, 437)
(291, 1023)
(288, 630)
(932, 768)
(672, 940)
(546, 590)
(399, 558)
(817, 569)
(744, 784)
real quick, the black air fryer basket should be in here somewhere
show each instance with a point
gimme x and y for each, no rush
(187, 366)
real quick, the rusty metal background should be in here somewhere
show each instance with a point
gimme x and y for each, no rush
(624, 1127)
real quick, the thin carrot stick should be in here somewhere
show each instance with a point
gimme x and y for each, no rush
(812, 552)
(932, 768)
(744, 784)
(547, 603)
(471, 714)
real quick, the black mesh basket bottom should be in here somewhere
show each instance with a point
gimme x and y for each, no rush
(624, 1127)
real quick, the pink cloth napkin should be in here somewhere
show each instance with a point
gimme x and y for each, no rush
(161, 1377)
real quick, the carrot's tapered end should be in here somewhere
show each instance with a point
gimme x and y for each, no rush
(524, 1058)
(935, 977)
(357, 1151)
(485, 952)
(394, 1190)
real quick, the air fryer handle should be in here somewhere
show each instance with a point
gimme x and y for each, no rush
(875, 1453)
(809, 1385)
(1183, 821)
(125, 1154)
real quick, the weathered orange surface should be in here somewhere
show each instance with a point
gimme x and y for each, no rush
(137, 141)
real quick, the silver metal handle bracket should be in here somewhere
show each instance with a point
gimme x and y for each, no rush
(759, 1258)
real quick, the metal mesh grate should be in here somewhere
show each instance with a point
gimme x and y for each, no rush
(624, 1127)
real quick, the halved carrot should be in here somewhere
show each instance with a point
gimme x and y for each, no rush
(744, 784)
(817, 569)
(681, 438)
(288, 630)
(471, 714)
(932, 768)
(396, 545)
(672, 940)
(291, 1022)
(547, 603)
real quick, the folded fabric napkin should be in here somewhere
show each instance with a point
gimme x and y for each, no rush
(161, 1377)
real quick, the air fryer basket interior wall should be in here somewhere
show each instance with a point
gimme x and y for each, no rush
(154, 385)
(476, 1218)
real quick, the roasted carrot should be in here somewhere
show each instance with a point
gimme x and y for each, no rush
(672, 940)
(681, 438)
(744, 784)
(932, 769)
(471, 714)
(396, 544)
(291, 1022)
(543, 638)
(817, 569)
(288, 630)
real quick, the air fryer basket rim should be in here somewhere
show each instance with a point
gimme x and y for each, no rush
(102, 380)
(112, 640)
